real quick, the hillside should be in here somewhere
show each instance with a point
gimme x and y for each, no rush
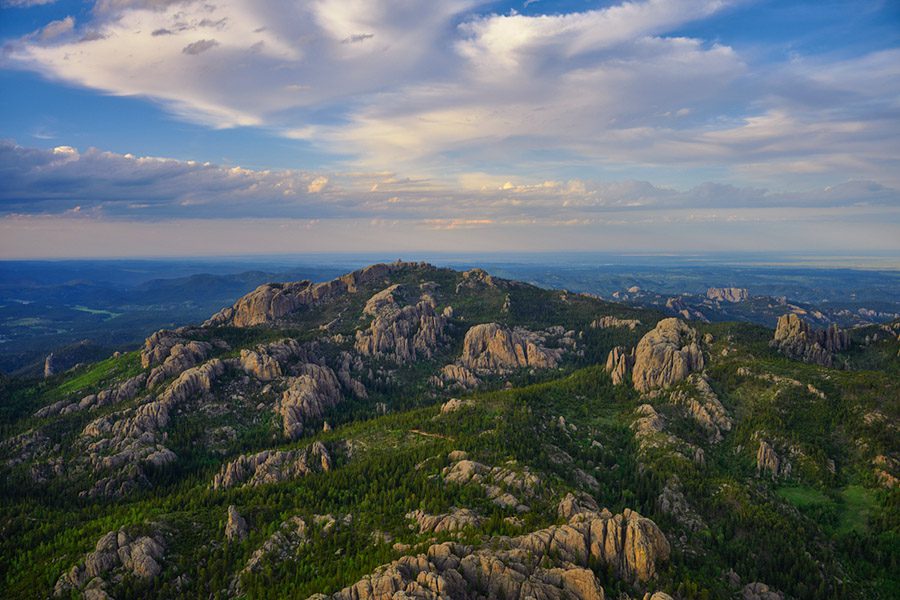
(411, 431)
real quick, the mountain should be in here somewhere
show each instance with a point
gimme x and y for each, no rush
(412, 431)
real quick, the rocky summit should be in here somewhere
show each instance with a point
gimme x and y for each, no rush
(409, 431)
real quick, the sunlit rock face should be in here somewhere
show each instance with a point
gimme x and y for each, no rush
(666, 355)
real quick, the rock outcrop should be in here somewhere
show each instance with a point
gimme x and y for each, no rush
(455, 404)
(272, 302)
(505, 486)
(704, 407)
(282, 544)
(768, 461)
(454, 375)
(728, 294)
(182, 355)
(795, 338)
(307, 397)
(123, 392)
(455, 520)
(760, 591)
(49, 366)
(236, 528)
(575, 504)
(475, 279)
(673, 502)
(273, 466)
(117, 551)
(402, 333)
(547, 564)
(131, 437)
(494, 348)
(666, 355)
(610, 322)
(619, 364)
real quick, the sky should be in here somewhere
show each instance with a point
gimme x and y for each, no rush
(227, 127)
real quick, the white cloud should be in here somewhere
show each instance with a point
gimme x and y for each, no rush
(55, 29)
(441, 88)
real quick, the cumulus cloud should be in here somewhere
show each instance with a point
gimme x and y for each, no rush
(449, 87)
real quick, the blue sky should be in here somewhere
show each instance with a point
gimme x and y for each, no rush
(152, 127)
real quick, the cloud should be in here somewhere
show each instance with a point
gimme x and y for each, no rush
(55, 29)
(124, 186)
(450, 88)
(317, 185)
(359, 37)
(199, 47)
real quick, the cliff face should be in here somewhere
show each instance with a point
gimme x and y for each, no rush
(666, 355)
(797, 339)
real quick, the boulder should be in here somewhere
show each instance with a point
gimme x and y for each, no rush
(760, 591)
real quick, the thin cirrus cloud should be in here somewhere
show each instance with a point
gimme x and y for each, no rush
(444, 87)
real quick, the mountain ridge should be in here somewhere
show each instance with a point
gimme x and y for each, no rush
(308, 390)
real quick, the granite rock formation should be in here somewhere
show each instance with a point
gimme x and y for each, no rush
(547, 564)
(666, 355)
(273, 466)
(455, 520)
(795, 338)
(272, 302)
(117, 394)
(236, 529)
(610, 322)
(728, 294)
(768, 461)
(307, 397)
(402, 333)
(704, 407)
(494, 348)
(117, 551)
(619, 364)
